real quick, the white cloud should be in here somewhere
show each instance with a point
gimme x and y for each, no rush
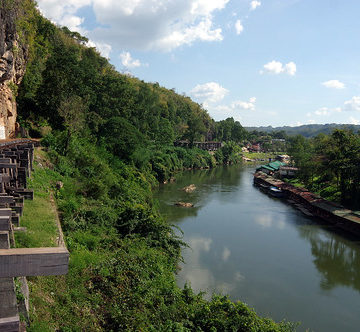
(103, 48)
(234, 109)
(322, 111)
(290, 68)
(325, 111)
(334, 84)
(210, 92)
(296, 124)
(201, 31)
(276, 67)
(238, 27)
(64, 12)
(244, 105)
(73, 22)
(353, 104)
(354, 121)
(142, 24)
(237, 105)
(128, 62)
(206, 7)
(254, 4)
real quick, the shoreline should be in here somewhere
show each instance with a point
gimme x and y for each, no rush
(312, 204)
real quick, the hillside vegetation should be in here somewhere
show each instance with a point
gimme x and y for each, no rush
(109, 139)
(310, 130)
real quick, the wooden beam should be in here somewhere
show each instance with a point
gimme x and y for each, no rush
(33, 262)
(6, 199)
(4, 165)
(10, 324)
(27, 193)
(5, 212)
(19, 229)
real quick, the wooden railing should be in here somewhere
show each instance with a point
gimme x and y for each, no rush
(16, 164)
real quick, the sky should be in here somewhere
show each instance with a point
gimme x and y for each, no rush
(262, 62)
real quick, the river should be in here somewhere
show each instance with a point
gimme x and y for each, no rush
(262, 251)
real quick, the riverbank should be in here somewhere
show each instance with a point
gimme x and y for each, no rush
(313, 204)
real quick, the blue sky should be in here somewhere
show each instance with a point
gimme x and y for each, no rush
(263, 62)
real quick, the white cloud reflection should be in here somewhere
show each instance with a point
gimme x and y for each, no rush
(201, 278)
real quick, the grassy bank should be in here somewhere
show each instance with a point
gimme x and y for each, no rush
(261, 155)
(39, 215)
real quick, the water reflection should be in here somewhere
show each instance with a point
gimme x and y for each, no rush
(200, 275)
(335, 257)
(269, 220)
(226, 254)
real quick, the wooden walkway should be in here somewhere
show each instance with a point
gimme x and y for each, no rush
(16, 164)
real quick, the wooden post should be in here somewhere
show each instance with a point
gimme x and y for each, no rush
(4, 240)
(9, 317)
(5, 224)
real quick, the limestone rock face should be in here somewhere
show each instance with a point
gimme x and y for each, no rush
(12, 68)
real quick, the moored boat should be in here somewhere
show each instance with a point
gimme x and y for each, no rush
(276, 192)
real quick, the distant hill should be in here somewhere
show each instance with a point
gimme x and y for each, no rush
(310, 130)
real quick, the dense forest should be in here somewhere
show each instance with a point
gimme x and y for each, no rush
(109, 138)
(330, 165)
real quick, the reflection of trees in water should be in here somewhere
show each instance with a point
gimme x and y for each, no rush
(177, 213)
(222, 175)
(205, 180)
(336, 258)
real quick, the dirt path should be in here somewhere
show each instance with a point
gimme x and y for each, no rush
(60, 238)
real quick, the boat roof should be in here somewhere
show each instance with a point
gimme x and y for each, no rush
(273, 166)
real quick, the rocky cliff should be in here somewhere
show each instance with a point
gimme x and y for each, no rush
(12, 66)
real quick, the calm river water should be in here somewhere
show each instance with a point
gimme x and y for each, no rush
(262, 251)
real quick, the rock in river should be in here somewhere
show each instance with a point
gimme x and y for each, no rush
(184, 204)
(190, 188)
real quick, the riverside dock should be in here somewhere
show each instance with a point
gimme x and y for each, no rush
(313, 205)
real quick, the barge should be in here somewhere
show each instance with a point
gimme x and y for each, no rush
(315, 205)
